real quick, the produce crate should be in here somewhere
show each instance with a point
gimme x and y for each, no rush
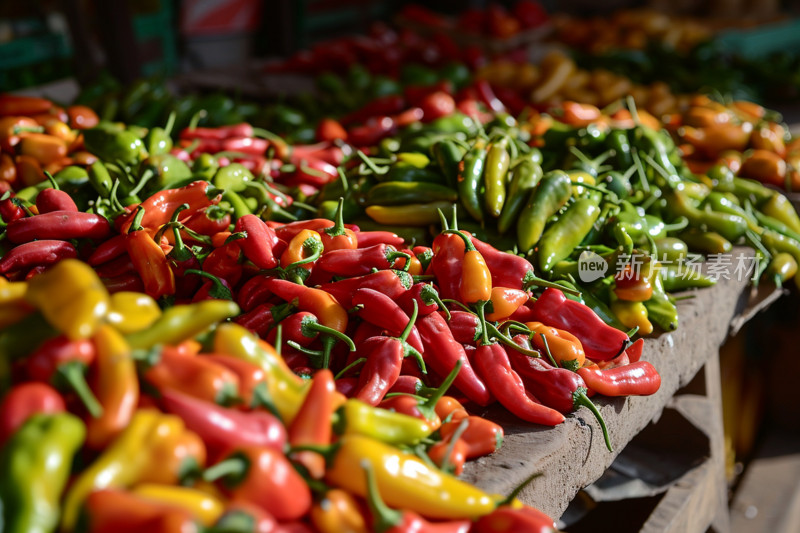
(760, 41)
(33, 60)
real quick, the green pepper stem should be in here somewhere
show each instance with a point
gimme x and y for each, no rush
(370, 163)
(354, 364)
(547, 350)
(218, 290)
(519, 488)
(136, 225)
(72, 372)
(338, 226)
(233, 468)
(510, 343)
(343, 179)
(315, 327)
(430, 295)
(443, 220)
(262, 398)
(384, 517)
(393, 255)
(428, 406)
(412, 319)
(579, 398)
(52, 180)
(462, 427)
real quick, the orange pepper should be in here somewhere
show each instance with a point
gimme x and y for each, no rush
(303, 246)
(29, 171)
(764, 166)
(769, 137)
(43, 147)
(563, 345)
(115, 384)
(61, 130)
(8, 170)
(338, 512)
(577, 114)
(505, 301)
(632, 285)
(312, 424)
(82, 117)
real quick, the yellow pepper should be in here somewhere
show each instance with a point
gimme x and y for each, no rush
(205, 507)
(632, 314)
(129, 459)
(358, 418)
(578, 177)
(405, 481)
(565, 347)
(409, 214)
(12, 292)
(182, 322)
(286, 389)
(414, 159)
(71, 297)
(132, 311)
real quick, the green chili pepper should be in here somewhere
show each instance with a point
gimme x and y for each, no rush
(447, 155)
(417, 214)
(350, 209)
(400, 192)
(411, 173)
(166, 170)
(158, 140)
(617, 183)
(617, 140)
(777, 243)
(671, 249)
(660, 308)
(679, 277)
(722, 177)
(659, 146)
(470, 179)
(780, 208)
(747, 189)
(100, 179)
(525, 175)
(550, 195)
(708, 242)
(719, 202)
(777, 225)
(36, 464)
(567, 232)
(115, 146)
(494, 176)
(204, 167)
(237, 203)
(729, 226)
(781, 268)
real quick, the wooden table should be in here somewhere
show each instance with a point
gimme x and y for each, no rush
(573, 455)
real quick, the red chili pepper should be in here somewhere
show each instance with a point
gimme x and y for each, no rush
(286, 232)
(181, 259)
(223, 428)
(107, 250)
(636, 379)
(317, 301)
(338, 237)
(324, 151)
(257, 245)
(254, 292)
(372, 132)
(493, 365)
(149, 259)
(302, 328)
(508, 270)
(241, 129)
(395, 521)
(263, 476)
(245, 145)
(213, 288)
(599, 340)
(360, 261)
(23, 105)
(384, 105)
(312, 171)
(444, 352)
(36, 253)
(447, 263)
(54, 200)
(160, 206)
(559, 388)
(63, 361)
(259, 320)
(25, 400)
(634, 351)
(124, 282)
(392, 283)
(117, 267)
(62, 225)
(329, 129)
(225, 263)
(10, 211)
(426, 296)
(209, 221)
(487, 96)
(252, 379)
(481, 436)
(383, 311)
(465, 326)
(195, 376)
(505, 519)
(371, 238)
(312, 424)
